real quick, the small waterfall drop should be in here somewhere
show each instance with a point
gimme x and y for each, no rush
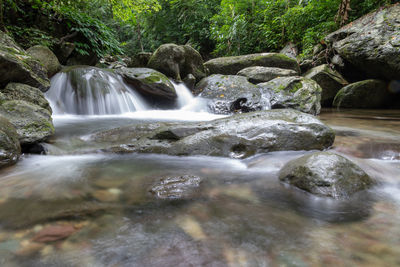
(186, 100)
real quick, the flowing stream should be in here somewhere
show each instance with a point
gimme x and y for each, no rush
(96, 209)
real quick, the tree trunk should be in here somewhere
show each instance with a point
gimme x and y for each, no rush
(342, 15)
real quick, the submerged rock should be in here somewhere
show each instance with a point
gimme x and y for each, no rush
(46, 57)
(53, 233)
(178, 187)
(230, 93)
(10, 149)
(265, 74)
(238, 136)
(232, 65)
(326, 174)
(294, 92)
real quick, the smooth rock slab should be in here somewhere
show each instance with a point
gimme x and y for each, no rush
(238, 136)
(326, 174)
(264, 74)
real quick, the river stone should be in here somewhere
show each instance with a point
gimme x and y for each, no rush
(372, 43)
(363, 94)
(238, 136)
(264, 74)
(19, 91)
(232, 65)
(177, 61)
(18, 66)
(178, 187)
(290, 50)
(230, 93)
(330, 81)
(46, 57)
(294, 92)
(10, 149)
(33, 123)
(326, 174)
(151, 84)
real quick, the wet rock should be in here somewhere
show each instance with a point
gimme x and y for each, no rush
(177, 61)
(110, 195)
(290, 50)
(10, 149)
(326, 174)
(371, 43)
(178, 187)
(18, 66)
(46, 57)
(265, 74)
(33, 123)
(330, 81)
(232, 65)
(229, 93)
(294, 92)
(190, 81)
(363, 94)
(238, 136)
(54, 233)
(151, 84)
(19, 91)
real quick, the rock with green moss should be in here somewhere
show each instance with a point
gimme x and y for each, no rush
(326, 174)
(10, 149)
(46, 57)
(294, 92)
(330, 81)
(33, 123)
(178, 61)
(151, 84)
(232, 65)
(18, 66)
(363, 94)
(227, 94)
(264, 74)
(19, 91)
(237, 136)
(140, 60)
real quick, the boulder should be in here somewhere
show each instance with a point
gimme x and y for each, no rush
(330, 81)
(363, 94)
(46, 57)
(140, 60)
(232, 65)
(151, 84)
(238, 136)
(18, 66)
(227, 94)
(264, 74)
(33, 123)
(10, 149)
(371, 43)
(63, 51)
(294, 92)
(326, 174)
(177, 61)
(290, 50)
(19, 91)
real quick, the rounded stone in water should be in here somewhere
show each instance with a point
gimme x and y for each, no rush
(176, 187)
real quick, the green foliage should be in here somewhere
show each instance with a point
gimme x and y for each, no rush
(28, 37)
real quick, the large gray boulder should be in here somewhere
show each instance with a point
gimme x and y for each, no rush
(326, 174)
(46, 57)
(372, 43)
(237, 136)
(33, 123)
(363, 94)
(18, 66)
(264, 74)
(294, 92)
(232, 65)
(330, 81)
(10, 149)
(178, 61)
(227, 94)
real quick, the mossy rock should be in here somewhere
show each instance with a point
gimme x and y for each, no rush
(10, 149)
(46, 57)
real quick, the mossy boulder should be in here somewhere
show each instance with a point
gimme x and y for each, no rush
(151, 84)
(227, 94)
(18, 66)
(264, 74)
(330, 81)
(326, 174)
(232, 65)
(140, 60)
(10, 149)
(19, 91)
(46, 57)
(294, 92)
(178, 61)
(363, 94)
(33, 123)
